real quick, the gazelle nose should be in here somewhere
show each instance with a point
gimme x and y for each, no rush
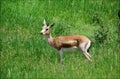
(41, 33)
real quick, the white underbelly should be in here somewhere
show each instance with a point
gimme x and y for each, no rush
(71, 49)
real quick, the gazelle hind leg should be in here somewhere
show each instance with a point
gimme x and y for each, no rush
(87, 47)
(82, 46)
(89, 57)
(86, 55)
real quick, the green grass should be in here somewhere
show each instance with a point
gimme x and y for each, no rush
(25, 54)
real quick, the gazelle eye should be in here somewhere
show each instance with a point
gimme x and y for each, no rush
(46, 29)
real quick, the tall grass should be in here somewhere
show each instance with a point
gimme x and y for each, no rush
(25, 54)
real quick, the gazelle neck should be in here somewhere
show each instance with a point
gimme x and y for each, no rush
(49, 39)
(48, 36)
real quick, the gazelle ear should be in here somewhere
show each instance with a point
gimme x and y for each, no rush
(44, 22)
(51, 25)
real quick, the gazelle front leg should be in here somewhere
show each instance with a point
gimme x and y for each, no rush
(60, 55)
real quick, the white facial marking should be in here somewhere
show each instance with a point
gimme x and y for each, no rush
(42, 31)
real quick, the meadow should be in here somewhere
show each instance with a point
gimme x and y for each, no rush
(25, 54)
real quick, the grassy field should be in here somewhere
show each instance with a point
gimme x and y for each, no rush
(24, 53)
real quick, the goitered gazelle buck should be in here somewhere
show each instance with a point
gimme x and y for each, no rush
(59, 43)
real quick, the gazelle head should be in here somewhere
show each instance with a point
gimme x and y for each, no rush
(46, 28)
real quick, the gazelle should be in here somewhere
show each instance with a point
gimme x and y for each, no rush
(59, 43)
